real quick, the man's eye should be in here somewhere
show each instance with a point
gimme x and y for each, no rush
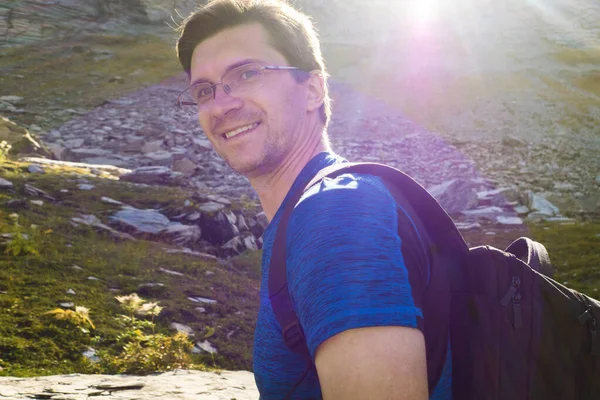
(249, 74)
(203, 93)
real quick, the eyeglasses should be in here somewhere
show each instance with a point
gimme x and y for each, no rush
(238, 81)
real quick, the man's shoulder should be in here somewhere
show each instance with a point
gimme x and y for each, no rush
(354, 185)
(347, 201)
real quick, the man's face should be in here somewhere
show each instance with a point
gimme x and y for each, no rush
(276, 113)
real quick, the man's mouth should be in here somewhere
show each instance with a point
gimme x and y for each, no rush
(242, 129)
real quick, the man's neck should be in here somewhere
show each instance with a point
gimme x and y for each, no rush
(274, 186)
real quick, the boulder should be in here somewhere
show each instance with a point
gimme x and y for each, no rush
(184, 165)
(140, 221)
(182, 234)
(153, 175)
(219, 228)
(455, 195)
(541, 208)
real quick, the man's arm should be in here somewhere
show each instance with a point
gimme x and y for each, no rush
(383, 363)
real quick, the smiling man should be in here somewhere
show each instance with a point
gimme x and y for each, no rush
(258, 87)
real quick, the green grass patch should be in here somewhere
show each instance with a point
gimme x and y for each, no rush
(76, 73)
(575, 253)
(64, 256)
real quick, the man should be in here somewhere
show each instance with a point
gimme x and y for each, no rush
(259, 87)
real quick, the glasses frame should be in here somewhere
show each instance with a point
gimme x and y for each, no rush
(183, 103)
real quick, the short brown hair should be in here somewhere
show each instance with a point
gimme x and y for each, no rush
(291, 33)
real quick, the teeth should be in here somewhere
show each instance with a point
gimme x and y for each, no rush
(237, 131)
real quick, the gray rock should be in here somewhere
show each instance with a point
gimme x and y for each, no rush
(513, 141)
(190, 252)
(37, 202)
(463, 226)
(174, 385)
(193, 217)
(218, 229)
(182, 328)
(82, 153)
(70, 291)
(108, 200)
(507, 220)
(169, 272)
(90, 354)
(219, 199)
(211, 207)
(200, 299)
(521, 210)
(67, 304)
(206, 346)
(153, 175)
(497, 197)
(564, 186)
(202, 144)
(455, 195)
(87, 219)
(86, 186)
(56, 150)
(36, 169)
(15, 100)
(74, 143)
(541, 206)
(4, 184)
(483, 211)
(233, 247)
(241, 224)
(141, 221)
(186, 166)
(262, 220)
(153, 146)
(162, 158)
(33, 191)
(250, 243)
(231, 218)
(182, 234)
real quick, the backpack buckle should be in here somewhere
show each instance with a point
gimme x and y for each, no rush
(294, 338)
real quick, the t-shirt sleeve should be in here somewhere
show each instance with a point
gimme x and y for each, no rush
(344, 262)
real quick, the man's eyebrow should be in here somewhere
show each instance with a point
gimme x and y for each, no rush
(229, 68)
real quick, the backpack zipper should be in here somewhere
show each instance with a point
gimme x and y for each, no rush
(518, 319)
(514, 295)
(588, 316)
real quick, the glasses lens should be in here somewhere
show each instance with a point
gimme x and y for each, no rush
(188, 103)
(202, 93)
(244, 79)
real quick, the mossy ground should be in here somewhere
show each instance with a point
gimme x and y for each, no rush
(75, 73)
(53, 76)
(33, 284)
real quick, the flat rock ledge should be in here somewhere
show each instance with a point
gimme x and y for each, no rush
(180, 384)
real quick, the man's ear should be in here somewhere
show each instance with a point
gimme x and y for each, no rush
(316, 91)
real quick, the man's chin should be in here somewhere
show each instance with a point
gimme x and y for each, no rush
(245, 167)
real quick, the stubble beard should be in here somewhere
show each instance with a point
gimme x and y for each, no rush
(272, 155)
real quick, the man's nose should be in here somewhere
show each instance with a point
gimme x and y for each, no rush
(224, 102)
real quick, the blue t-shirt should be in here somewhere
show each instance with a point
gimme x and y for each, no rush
(345, 270)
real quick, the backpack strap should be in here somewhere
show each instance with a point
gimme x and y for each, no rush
(441, 235)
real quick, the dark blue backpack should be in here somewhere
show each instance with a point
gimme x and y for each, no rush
(515, 333)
